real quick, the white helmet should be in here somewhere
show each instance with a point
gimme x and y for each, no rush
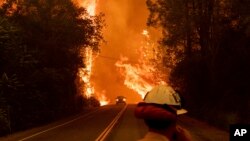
(163, 94)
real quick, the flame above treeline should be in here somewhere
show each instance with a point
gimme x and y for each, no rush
(140, 77)
(86, 73)
(90, 5)
(144, 75)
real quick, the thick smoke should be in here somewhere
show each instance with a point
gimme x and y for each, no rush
(125, 20)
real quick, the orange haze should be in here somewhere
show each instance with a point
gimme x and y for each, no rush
(125, 21)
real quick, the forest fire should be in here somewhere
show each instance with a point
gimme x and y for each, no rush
(86, 72)
(143, 76)
(90, 5)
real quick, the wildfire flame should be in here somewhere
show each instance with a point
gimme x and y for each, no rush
(143, 76)
(90, 5)
(85, 73)
(102, 98)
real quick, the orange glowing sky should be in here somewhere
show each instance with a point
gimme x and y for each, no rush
(125, 21)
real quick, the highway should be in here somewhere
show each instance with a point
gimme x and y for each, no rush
(110, 123)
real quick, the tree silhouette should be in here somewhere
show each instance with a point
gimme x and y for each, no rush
(210, 40)
(41, 43)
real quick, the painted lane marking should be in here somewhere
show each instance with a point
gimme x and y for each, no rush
(105, 133)
(41, 132)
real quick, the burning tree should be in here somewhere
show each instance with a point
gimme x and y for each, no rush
(46, 58)
(89, 54)
(144, 75)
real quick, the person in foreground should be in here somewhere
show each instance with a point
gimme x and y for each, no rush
(159, 110)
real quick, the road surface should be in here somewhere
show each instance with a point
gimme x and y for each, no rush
(109, 123)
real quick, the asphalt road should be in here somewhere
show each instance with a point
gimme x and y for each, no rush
(109, 123)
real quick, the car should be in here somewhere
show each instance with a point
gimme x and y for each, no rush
(120, 100)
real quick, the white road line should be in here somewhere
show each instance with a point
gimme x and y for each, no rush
(110, 126)
(38, 133)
